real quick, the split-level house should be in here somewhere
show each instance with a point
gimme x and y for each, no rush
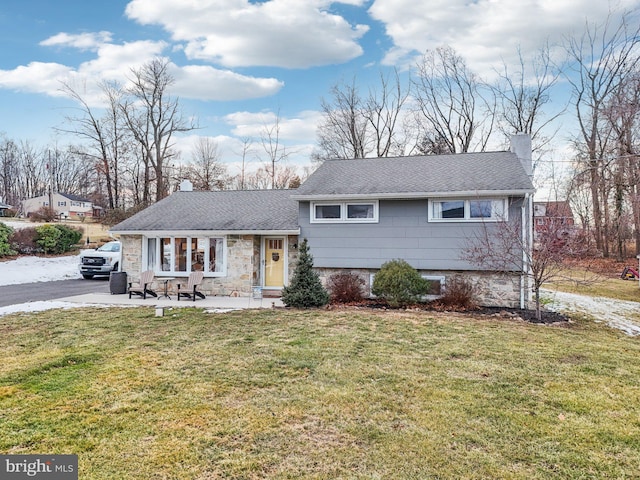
(65, 205)
(355, 214)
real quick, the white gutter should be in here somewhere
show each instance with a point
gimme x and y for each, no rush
(195, 233)
(411, 195)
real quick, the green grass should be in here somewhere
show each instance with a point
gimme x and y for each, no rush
(322, 394)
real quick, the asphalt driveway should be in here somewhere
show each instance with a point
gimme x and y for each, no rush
(41, 291)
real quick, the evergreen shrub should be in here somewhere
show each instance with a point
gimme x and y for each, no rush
(48, 238)
(305, 289)
(69, 237)
(5, 247)
(399, 283)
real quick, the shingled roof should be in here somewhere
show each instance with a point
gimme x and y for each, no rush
(232, 210)
(402, 177)
(74, 198)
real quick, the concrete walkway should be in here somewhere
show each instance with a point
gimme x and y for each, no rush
(210, 302)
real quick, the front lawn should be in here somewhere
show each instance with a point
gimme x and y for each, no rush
(320, 394)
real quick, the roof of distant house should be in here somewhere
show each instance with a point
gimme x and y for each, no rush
(229, 210)
(427, 175)
(74, 198)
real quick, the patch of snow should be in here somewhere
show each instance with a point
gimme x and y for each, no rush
(17, 225)
(42, 306)
(614, 313)
(38, 269)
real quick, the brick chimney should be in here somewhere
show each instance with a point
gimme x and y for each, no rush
(521, 146)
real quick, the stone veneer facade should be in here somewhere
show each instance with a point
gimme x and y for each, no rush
(491, 289)
(243, 265)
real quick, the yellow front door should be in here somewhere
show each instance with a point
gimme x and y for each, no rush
(274, 262)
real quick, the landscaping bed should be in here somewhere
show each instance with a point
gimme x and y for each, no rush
(548, 317)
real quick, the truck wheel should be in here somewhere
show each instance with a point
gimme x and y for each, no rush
(87, 276)
(115, 267)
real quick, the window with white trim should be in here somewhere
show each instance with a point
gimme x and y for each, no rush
(182, 255)
(346, 212)
(436, 285)
(468, 210)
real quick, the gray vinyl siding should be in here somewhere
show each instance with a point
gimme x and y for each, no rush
(403, 231)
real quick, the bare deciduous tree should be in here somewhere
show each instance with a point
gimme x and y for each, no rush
(357, 127)
(506, 247)
(245, 151)
(383, 109)
(154, 117)
(275, 151)
(454, 106)
(205, 171)
(343, 134)
(600, 60)
(522, 96)
(623, 114)
(9, 172)
(107, 138)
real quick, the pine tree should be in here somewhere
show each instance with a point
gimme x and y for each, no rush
(305, 290)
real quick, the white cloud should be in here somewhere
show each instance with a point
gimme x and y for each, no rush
(251, 124)
(113, 62)
(208, 83)
(484, 31)
(240, 33)
(36, 77)
(83, 41)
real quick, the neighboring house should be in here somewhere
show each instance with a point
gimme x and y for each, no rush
(553, 224)
(65, 205)
(3, 209)
(356, 215)
(552, 214)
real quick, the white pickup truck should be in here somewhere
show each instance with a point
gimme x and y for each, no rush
(101, 261)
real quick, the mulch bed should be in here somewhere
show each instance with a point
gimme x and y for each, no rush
(526, 315)
(548, 317)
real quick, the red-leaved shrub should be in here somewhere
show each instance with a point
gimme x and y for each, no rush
(345, 288)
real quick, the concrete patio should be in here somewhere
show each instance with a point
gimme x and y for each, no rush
(210, 302)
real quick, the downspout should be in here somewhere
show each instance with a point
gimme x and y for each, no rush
(526, 238)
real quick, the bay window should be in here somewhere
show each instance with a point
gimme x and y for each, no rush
(183, 255)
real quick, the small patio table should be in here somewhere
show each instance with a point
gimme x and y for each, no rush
(166, 281)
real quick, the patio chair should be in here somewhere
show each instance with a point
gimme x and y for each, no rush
(142, 288)
(195, 279)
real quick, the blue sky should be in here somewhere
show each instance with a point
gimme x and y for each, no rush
(240, 62)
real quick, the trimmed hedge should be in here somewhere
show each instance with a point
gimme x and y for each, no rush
(57, 238)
